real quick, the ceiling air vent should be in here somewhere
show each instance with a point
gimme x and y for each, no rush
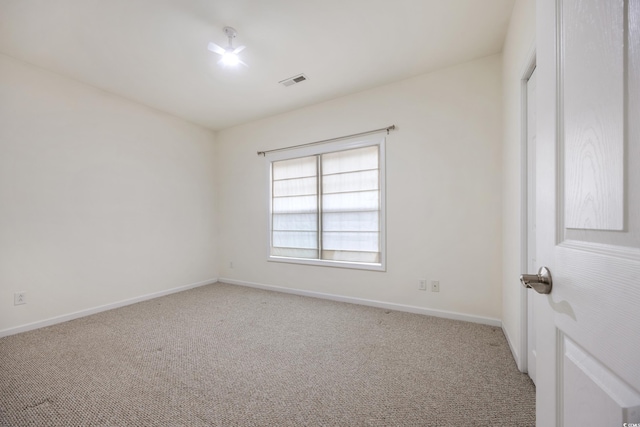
(293, 80)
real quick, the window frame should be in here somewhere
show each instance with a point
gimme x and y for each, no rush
(330, 147)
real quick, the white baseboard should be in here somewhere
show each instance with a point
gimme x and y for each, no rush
(94, 310)
(373, 303)
(353, 300)
(514, 353)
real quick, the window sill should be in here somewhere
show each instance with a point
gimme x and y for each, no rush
(325, 263)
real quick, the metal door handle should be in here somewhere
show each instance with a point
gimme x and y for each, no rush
(540, 282)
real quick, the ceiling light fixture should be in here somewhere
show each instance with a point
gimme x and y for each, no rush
(229, 54)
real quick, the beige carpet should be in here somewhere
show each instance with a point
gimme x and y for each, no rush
(224, 355)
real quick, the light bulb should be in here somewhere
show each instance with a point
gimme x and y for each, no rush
(230, 59)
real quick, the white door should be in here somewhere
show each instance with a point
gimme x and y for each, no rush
(588, 212)
(531, 222)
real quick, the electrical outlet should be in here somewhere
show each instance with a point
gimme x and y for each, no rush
(19, 298)
(435, 286)
(422, 284)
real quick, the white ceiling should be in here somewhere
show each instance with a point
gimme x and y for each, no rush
(155, 51)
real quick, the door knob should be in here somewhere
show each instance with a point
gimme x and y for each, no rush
(540, 282)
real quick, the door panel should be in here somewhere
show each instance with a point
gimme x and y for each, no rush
(591, 81)
(611, 402)
(588, 345)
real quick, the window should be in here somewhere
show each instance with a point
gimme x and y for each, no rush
(327, 204)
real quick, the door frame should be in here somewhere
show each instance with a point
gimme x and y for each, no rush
(525, 209)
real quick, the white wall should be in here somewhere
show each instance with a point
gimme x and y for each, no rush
(444, 175)
(102, 199)
(518, 48)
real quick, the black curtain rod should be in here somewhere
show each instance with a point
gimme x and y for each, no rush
(387, 129)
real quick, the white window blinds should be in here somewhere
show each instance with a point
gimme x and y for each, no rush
(328, 206)
(351, 205)
(295, 208)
